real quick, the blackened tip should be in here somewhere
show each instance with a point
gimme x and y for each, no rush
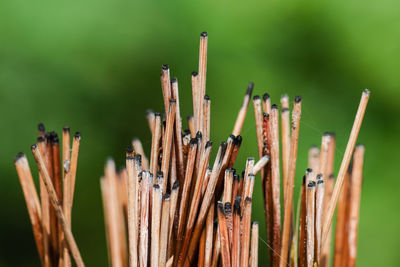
(256, 97)
(190, 117)
(40, 139)
(156, 186)
(319, 176)
(248, 199)
(309, 170)
(129, 149)
(34, 146)
(175, 185)
(66, 129)
(41, 127)
(366, 91)
(228, 207)
(238, 140)
(311, 184)
(297, 98)
(285, 110)
(160, 174)
(208, 144)
(236, 177)
(359, 145)
(250, 88)
(157, 114)
(331, 176)
(77, 135)
(149, 112)
(174, 80)
(193, 141)
(194, 73)
(56, 140)
(266, 115)
(186, 132)
(304, 179)
(206, 97)
(255, 223)
(231, 138)
(172, 100)
(164, 67)
(18, 156)
(166, 196)
(266, 96)
(199, 135)
(204, 34)
(274, 106)
(130, 158)
(320, 181)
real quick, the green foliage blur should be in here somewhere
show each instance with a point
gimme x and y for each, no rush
(94, 65)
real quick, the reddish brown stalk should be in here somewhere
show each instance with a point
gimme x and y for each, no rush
(178, 133)
(45, 205)
(196, 199)
(302, 259)
(195, 98)
(236, 233)
(254, 245)
(354, 212)
(229, 222)
(288, 213)
(164, 231)
(243, 111)
(155, 224)
(167, 142)
(267, 188)
(57, 207)
(133, 184)
(165, 85)
(172, 213)
(275, 184)
(319, 200)
(345, 162)
(340, 233)
(209, 237)
(186, 256)
(144, 218)
(285, 118)
(329, 184)
(186, 189)
(223, 236)
(74, 163)
(32, 201)
(245, 240)
(202, 78)
(66, 188)
(310, 211)
(207, 117)
(155, 144)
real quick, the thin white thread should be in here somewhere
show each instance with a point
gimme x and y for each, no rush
(265, 242)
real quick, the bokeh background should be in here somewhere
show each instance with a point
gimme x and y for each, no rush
(94, 65)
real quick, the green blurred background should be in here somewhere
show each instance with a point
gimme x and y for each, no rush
(94, 65)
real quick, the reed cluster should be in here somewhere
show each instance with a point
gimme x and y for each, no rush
(305, 239)
(173, 209)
